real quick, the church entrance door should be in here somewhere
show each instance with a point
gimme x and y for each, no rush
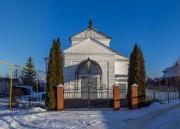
(89, 87)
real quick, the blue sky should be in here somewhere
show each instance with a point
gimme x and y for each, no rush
(27, 28)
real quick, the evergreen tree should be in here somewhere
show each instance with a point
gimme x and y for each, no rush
(137, 73)
(54, 75)
(28, 76)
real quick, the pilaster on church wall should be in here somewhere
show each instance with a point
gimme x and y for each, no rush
(111, 71)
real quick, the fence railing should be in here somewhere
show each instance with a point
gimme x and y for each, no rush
(88, 95)
(123, 93)
(94, 95)
(124, 98)
(28, 101)
(162, 93)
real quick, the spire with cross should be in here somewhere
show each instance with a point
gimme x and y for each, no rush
(91, 23)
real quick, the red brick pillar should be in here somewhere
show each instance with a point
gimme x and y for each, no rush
(134, 96)
(116, 97)
(60, 97)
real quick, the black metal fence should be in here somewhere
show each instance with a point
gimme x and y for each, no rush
(101, 99)
(124, 98)
(89, 95)
(162, 94)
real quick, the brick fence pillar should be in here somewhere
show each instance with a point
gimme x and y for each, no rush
(134, 96)
(60, 97)
(116, 97)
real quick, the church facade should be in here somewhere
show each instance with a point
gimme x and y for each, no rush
(91, 65)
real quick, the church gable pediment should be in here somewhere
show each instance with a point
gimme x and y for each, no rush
(90, 33)
(89, 46)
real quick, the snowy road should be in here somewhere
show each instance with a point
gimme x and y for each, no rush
(156, 116)
(167, 118)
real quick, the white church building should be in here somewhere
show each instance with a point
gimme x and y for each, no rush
(91, 65)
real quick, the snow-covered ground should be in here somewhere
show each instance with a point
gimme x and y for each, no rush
(156, 116)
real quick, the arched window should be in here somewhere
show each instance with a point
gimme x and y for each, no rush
(89, 67)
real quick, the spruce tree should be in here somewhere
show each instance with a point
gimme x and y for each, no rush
(54, 75)
(28, 76)
(137, 73)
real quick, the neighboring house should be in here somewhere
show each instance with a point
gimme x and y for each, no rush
(22, 90)
(152, 82)
(91, 65)
(171, 75)
(5, 84)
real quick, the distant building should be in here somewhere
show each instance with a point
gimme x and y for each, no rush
(171, 75)
(5, 84)
(152, 81)
(22, 90)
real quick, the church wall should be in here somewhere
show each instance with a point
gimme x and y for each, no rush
(106, 62)
(121, 72)
(121, 67)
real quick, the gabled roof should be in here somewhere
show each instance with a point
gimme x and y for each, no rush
(108, 48)
(104, 45)
(97, 42)
(85, 41)
(167, 69)
(95, 30)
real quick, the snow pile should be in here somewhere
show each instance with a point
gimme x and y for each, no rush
(38, 109)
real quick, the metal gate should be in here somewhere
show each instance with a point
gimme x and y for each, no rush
(89, 96)
(89, 87)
